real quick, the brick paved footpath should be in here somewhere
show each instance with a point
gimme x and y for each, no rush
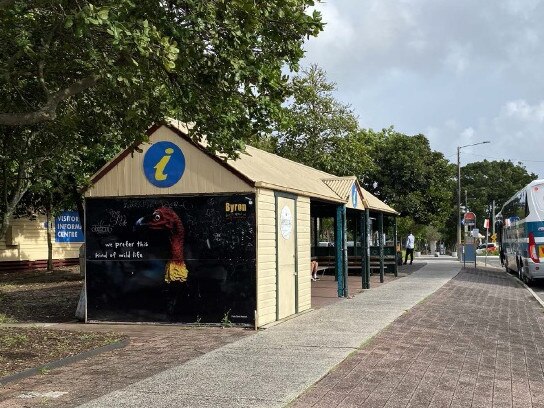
(476, 342)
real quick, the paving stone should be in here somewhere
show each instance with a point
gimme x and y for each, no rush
(478, 341)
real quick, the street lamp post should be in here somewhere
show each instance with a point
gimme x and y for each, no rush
(459, 189)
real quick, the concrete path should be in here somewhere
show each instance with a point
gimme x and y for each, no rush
(275, 366)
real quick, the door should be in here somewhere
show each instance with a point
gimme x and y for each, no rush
(286, 241)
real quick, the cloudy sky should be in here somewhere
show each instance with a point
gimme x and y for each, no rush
(460, 72)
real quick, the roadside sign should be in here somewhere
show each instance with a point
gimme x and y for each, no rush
(486, 223)
(470, 219)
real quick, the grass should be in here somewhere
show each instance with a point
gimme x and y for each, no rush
(6, 319)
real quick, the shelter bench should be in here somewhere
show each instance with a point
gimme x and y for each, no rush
(328, 262)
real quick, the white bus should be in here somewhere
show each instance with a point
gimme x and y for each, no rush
(520, 230)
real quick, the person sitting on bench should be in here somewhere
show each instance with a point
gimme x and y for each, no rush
(313, 268)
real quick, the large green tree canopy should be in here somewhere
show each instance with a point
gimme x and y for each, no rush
(402, 170)
(411, 177)
(486, 182)
(79, 77)
(314, 125)
(217, 63)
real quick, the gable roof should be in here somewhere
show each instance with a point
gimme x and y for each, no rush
(262, 169)
(374, 203)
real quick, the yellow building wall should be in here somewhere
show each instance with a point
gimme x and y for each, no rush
(202, 174)
(266, 257)
(26, 240)
(304, 254)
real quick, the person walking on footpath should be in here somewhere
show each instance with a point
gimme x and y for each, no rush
(410, 242)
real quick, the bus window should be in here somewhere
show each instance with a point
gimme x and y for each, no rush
(538, 196)
(520, 206)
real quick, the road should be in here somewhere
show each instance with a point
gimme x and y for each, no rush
(494, 261)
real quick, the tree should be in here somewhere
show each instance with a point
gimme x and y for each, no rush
(216, 64)
(415, 180)
(491, 181)
(316, 129)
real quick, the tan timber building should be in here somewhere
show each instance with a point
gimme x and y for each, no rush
(25, 244)
(177, 234)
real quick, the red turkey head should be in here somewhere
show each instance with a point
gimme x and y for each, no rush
(162, 218)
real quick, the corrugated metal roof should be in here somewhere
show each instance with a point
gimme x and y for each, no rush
(374, 203)
(341, 185)
(268, 170)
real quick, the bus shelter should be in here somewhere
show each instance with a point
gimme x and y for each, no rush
(368, 238)
(176, 233)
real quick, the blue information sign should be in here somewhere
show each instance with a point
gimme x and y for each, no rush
(68, 228)
(164, 164)
(354, 195)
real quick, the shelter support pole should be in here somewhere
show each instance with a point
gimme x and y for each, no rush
(345, 248)
(362, 232)
(380, 240)
(395, 242)
(366, 249)
(340, 243)
(316, 236)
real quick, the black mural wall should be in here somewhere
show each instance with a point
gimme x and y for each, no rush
(175, 259)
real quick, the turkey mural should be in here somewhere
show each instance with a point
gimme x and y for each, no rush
(174, 259)
(166, 219)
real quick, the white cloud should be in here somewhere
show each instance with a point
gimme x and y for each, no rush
(458, 58)
(515, 133)
(459, 72)
(521, 110)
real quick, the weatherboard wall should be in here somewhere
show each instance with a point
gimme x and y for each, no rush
(26, 240)
(303, 254)
(202, 173)
(267, 284)
(266, 257)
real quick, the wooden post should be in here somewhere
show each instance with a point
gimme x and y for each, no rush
(345, 265)
(395, 242)
(380, 240)
(366, 232)
(362, 232)
(339, 250)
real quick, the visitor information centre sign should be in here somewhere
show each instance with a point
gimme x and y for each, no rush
(68, 228)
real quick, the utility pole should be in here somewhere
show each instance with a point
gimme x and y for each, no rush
(493, 218)
(458, 198)
(459, 190)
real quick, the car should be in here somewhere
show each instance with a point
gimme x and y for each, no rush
(491, 247)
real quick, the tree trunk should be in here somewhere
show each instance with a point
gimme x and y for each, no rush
(49, 240)
(12, 199)
(78, 199)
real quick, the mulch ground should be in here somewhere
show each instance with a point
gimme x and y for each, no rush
(40, 296)
(44, 297)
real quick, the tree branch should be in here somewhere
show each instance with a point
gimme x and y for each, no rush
(48, 111)
(4, 4)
